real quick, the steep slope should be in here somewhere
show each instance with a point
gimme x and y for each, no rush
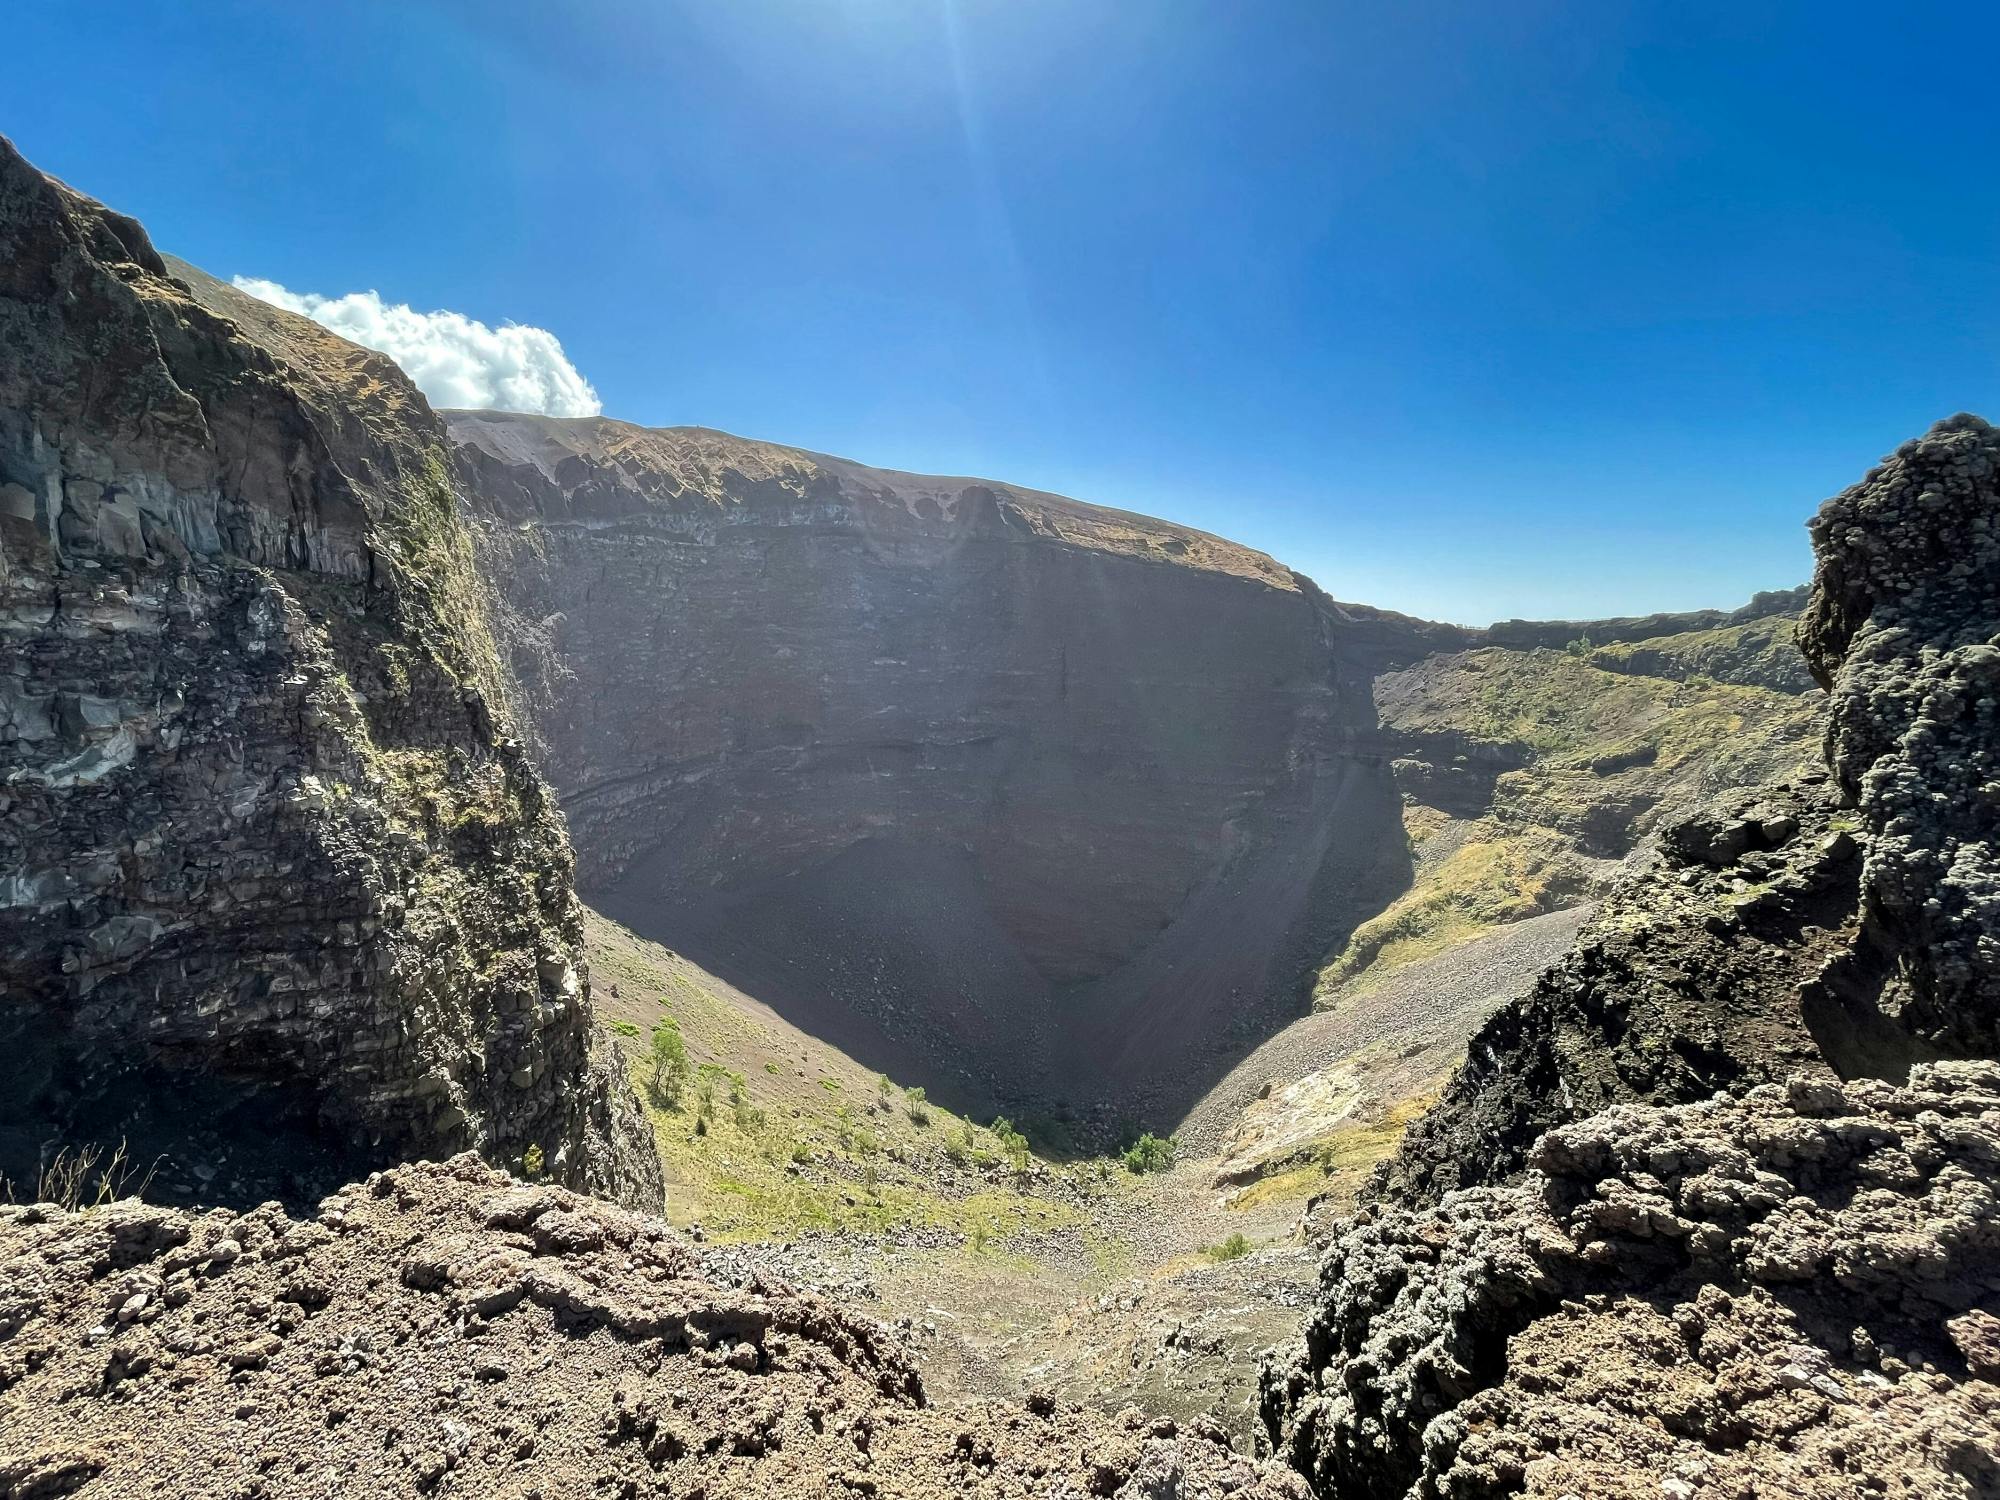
(1532, 779)
(280, 888)
(1028, 801)
(1774, 1272)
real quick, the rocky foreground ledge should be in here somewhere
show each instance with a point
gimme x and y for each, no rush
(1788, 1293)
(446, 1329)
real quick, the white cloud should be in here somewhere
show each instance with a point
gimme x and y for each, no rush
(455, 360)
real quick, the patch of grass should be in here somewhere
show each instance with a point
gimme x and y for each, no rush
(1505, 877)
(777, 1134)
(1235, 1247)
(1342, 1158)
(1290, 1186)
(624, 1028)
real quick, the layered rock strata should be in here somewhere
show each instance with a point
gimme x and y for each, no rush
(1012, 795)
(277, 874)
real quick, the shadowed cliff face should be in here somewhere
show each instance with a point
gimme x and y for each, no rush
(1027, 800)
(278, 886)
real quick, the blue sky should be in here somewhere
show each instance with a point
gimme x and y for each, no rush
(1469, 309)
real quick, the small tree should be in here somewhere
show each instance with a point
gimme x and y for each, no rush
(670, 1063)
(1013, 1143)
(918, 1103)
(1150, 1153)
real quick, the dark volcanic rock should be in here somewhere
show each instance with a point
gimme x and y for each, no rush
(1787, 1292)
(1854, 925)
(1632, 1012)
(277, 879)
(1772, 1295)
(1904, 627)
(956, 773)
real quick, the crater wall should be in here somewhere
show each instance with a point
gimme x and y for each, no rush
(1027, 799)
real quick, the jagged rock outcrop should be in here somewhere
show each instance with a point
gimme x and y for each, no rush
(1784, 1294)
(1018, 797)
(1784, 1291)
(1904, 628)
(442, 1328)
(278, 881)
(1869, 963)
(1747, 902)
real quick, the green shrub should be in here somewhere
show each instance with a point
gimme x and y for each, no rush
(670, 1063)
(1150, 1153)
(918, 1104)
(1233, 1248)
(1013, 1143)
(624, 1028)
(531, 1162)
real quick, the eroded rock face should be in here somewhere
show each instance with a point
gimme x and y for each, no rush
(1003, 791)
(1782, 1293)
(1904, 627)
(1748, 901)
(1787, 1290)
(277, 876)
(1853, 925)
(443, 1327)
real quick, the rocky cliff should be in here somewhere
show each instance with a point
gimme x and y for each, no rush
(1851, 914)
(282, 894)
(1030, 801)
(1746, 1256)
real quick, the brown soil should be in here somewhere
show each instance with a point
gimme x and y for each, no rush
(443, 1329)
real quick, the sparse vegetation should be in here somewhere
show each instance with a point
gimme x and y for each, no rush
(1150, 1153)
(670, 1063)
(1600, 752)
(1013, 1142)
(774, 1134)
(1235, 1247)
(85, 1177)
